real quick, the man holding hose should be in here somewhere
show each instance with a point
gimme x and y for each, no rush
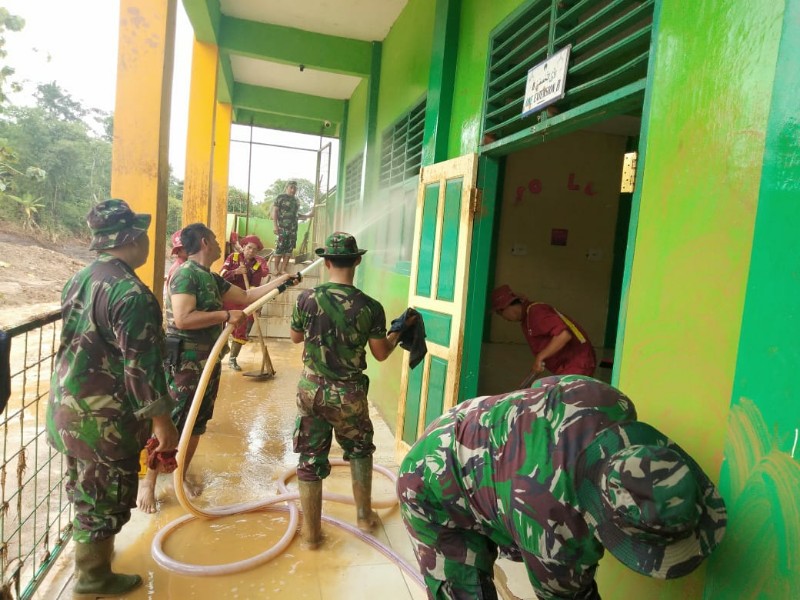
(195, 319)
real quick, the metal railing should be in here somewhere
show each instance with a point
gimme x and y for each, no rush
(35, 515)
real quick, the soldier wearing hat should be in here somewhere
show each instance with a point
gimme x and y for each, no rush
(558, 343)
(108, 392)
(336, 321)
(243, 268)
(553, 476)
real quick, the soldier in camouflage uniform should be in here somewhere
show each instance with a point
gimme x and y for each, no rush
(551, 476)
(336, 321)
(285, 215)
(108, 387)
(195, 318)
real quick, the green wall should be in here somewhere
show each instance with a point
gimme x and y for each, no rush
(356, 123)
(703, 142)
(761, 470)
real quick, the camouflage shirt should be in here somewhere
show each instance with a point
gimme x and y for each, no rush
(288, 208)
(338, 320)
(505, 465)
(208, 288)
(108, 378)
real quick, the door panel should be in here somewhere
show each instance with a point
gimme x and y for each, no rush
(438, 289)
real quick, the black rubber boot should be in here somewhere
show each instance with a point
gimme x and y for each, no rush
(311, 501)
(361, 473)
(93, 575)
(236, 347)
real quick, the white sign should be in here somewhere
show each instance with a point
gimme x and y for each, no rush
(546, 82)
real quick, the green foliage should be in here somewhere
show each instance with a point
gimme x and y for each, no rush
(237, 200)
(8, 22)
(305, 193)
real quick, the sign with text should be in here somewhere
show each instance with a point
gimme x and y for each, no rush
(546, 82)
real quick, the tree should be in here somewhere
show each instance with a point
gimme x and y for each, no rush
(237, 201)
(8, 22)
(305, 192)
(30, 207)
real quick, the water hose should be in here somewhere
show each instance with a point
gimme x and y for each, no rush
(285, 496)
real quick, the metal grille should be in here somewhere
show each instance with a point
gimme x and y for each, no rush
(401, 147)
(610, 50)
(36, 515)
(352, 179)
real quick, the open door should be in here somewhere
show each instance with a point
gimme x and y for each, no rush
(439, 274)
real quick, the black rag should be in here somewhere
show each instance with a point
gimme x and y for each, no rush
(412, 336)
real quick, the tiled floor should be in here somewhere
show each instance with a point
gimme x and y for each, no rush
(247, 446)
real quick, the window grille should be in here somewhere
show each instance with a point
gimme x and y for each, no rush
(352, 179)
(401, 147)
(610, 50)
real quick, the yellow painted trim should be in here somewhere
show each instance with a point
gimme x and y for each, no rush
(139, 156)
(200, 136)
(219, 179)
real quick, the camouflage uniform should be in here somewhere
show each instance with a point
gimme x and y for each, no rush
(208, 289)
(338, 321)
(550, 476)
(288, 208)
(497, 472)
(108, 382)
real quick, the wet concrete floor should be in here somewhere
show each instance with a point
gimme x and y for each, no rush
(247, 446)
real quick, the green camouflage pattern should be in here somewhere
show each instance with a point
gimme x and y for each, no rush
(102, 496)
(183, 382)
(497, 473)
(114, 224)
(108, 377)
(326, 407)
(208, 288)
(288, 209)
(340, 244)
(337, 320)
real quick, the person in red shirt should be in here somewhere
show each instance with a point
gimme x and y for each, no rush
(243, 269)
(558, 343)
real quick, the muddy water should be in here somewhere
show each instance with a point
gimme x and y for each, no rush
(247, 447)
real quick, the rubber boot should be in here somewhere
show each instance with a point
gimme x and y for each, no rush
(361, 473)
(235, 349)
(311, 501)
(93, 575)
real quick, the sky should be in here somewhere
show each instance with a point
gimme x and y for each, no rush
(74, 43)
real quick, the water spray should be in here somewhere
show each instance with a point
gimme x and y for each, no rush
(285, 497)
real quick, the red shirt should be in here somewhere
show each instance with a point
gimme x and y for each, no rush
(256, 269)
(541, 323)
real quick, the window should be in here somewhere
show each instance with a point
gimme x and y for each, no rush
(401, 147)
(352, 179)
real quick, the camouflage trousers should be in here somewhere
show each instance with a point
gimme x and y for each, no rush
(325, 408)
(102, 496)
(183, 383)
(287, 240)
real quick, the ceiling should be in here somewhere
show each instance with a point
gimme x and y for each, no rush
(291, 64)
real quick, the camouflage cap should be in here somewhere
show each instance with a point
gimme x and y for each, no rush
(114, 224)
(339, 245)
(652, 505)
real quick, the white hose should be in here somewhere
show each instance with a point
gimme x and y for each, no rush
(285, 496)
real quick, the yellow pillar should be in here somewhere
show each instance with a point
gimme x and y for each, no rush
(200, 138)
(140, 151)
(219, 178)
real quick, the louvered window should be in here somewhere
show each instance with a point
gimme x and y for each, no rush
(401, 147)
(610, 49)
(352, 179)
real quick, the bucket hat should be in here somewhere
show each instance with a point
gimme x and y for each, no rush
(177, 244)
(652, 505)
(251, 239)
(339, 245)
(502, 297)
(114, 224)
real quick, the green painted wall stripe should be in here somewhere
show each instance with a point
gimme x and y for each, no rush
(283, 122)
(437, 326)
(430, 212)
(225, 77)
(441, 82)
(413, 398)
(437, 382)
(205, 16)
(451, 220)
(341, 167)
(282, 102)
(295, 46)
(372, 155)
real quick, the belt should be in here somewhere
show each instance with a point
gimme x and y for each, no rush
(194, 346)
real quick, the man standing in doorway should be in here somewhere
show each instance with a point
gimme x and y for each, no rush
(336, 321)
(558, 343)
(108, 386)
(285, 215)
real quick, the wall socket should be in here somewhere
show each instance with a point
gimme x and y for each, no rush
(518, 249)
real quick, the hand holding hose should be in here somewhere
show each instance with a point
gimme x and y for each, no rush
(289, 281)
